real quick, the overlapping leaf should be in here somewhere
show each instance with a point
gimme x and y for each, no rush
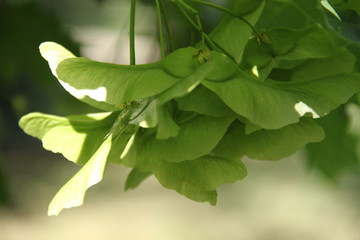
(205, 102)
(198, 179)
(75, 137)
(221, 111)
(73, 192)
(297, 13)
(347, 4)
(313, 69)
(274, 105)
(268, 144)
(107, 86)
(196, 137)
(290, 45)
(135, 178)
(337, 153)
(233, 33)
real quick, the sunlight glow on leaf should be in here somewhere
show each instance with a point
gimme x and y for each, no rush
(255, 71)
(128, 146)
(327, 5)
(73, 192)
(98, 94)
(303, 109)
(54, 53)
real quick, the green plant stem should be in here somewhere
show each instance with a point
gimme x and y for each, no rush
(213, 45)
(196, 25)
(228, 11)
(193, 11)
(132, 32)
(167, 27)
(160, 25)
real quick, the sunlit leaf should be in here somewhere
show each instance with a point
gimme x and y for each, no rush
(75, 137)
(73, 192)
(327, 6)
(254, 89)
(105, 85)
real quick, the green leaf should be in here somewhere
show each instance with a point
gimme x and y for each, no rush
(135, 178)
(188, 84)
(146, 113)
(56, 54)
(167, 127)
(336, 154)
(273, 105)
(309, 11)
(197, 179)
(313, 69)
(73, 192)
(347, 4)
(316, 42)
(76, 137)
(312, 10)
(151, 113)
(105, 85)
(232, 33)
(328, 7)
(295, 18)
(197, 137)
(204, 101)
(291, 45)
(268, 144)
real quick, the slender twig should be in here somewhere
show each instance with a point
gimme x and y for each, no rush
(187, 17)
(160, 26)
(193, 11)
(167, 27)
(228, 11)
(132, 32)
(212, 44)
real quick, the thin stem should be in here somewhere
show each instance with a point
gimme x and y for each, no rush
(187, 17)
(160, 25)
(197, 17)
(213, 45)
(196, 26)
(186, 6)
(192, 23)
(198, 20)
(221, 49)
(132, 32)
(167, 26)
(228, 11)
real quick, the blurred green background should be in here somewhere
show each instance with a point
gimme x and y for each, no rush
(295, 198)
